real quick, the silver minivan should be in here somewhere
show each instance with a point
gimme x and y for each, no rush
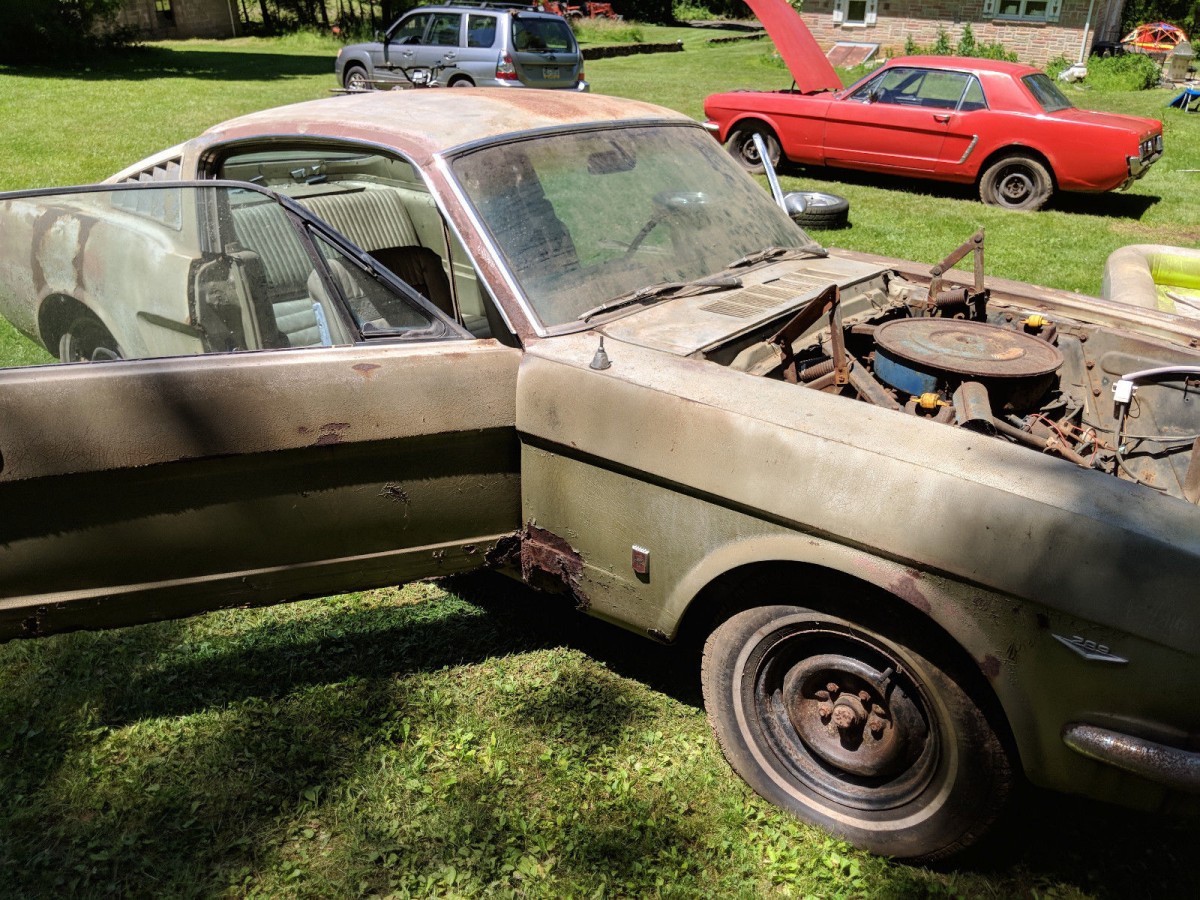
(489, 45)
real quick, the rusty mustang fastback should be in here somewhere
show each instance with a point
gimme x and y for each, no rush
(937, 532)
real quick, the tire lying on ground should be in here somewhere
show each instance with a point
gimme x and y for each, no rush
(822, 210)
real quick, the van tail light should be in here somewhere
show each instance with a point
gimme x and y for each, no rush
(579, 77)
(505, 70)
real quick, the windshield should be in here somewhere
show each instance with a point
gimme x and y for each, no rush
(1046, 92)
(584, 218)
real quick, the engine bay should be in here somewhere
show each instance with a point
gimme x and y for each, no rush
(1098, 396)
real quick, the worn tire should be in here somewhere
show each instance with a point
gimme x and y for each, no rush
(1016, 182)
(741, 145)
(354, 78)
(87, 340)
(823, 211)
(462, 81)
(929, 785)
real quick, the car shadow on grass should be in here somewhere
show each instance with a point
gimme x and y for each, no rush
(254, 712)
(154, 63)
(1111, 204)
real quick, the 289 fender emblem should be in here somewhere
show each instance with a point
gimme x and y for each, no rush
(1090, 650)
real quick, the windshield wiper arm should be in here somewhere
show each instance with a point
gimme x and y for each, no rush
(811, 251)
(663, 290)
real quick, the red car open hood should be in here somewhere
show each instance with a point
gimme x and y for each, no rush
(795, 43)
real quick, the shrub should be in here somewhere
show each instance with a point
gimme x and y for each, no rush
(967, 46)
(1131, 72)
(966, 43)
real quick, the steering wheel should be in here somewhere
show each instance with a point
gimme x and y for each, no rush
(668, 205)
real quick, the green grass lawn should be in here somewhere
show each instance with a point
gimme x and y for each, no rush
(471, 738)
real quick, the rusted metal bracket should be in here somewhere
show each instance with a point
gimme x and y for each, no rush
(976, 298)
(828, 302)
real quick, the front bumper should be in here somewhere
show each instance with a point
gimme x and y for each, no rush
(1172, 767)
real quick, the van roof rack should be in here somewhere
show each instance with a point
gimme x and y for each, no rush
(489, 4)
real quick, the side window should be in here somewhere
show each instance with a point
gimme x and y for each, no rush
(410, 30)
(941, 90)
(443, 32)
(228, 270)
(481, 31)
(973, 99)
(886, 87)
(383, 206)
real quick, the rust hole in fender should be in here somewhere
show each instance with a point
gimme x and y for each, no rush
(548, 563)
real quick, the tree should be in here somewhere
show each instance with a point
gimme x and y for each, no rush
(1184, 13)
(61, 32)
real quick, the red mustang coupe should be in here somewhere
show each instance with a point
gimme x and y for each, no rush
(1005, 127)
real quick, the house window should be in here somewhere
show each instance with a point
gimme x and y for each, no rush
(164, 10)
(855, 12)
(1025, 10)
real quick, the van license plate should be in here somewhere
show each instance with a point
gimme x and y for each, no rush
(549, 71)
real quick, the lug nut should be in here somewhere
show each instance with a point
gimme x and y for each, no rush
(824, 710)
(864, 696)
(832, 688)
(822, 695)
(876, 727)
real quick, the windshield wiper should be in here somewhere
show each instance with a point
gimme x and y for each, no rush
(665, 289)
(810, 251)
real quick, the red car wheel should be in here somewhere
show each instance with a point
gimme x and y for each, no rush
(741, 145)
(1016, 182)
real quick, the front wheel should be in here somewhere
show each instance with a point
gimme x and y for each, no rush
(741, 146)
(855, 731)
(355, 79)
(1016, 182)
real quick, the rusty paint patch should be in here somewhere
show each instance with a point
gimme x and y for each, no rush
(394, 492)
(366, 370)
(505, 552)
(549, 563)
(907, 588)
(990, 666)
(33, 625)
(331, 433)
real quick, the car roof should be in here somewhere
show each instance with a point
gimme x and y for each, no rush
(499, 8)
(422, 123)
(965, 64)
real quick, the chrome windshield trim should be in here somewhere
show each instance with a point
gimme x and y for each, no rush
(599, 125)
(443, 167)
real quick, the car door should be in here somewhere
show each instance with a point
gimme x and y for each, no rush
(477, 59)
(896, 122)
(258, 412)
(402, 45)
(442, 41)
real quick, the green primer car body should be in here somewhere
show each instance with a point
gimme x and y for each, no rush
(935, 533)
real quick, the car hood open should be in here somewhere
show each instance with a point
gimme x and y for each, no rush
(795, 43)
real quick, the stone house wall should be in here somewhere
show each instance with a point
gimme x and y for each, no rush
(165, 19)
(1034, 42)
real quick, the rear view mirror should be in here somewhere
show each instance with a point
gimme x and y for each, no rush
(610, 162)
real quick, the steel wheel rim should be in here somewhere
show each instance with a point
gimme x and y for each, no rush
(783, 669)
(1015, 186)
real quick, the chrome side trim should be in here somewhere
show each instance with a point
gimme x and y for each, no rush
(1169, 766)
(970, 148)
